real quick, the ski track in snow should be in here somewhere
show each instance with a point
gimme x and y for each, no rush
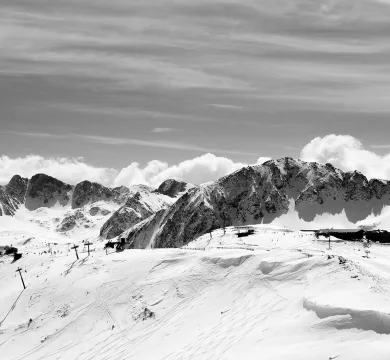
(276, 294)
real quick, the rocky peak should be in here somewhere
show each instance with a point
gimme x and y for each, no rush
(330, 167)
(45, 191)
(356, 186)
(87, 192)
(12, 195)
(173, 188)
(380, 188)
(17, 188)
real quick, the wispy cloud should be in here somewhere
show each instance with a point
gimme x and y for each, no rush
(116, 141)
(263, 48)
(31, 134)
(158, 144)
(229, 64)
(164, 130)
(99, 46)
(126, 112)
(226, 106)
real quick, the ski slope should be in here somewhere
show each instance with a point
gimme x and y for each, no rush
(278, 294)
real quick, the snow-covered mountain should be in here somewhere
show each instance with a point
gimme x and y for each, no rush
(176, 212)
(142, 205)
(88, 209)
(88, 192)
(277, 286)
(137, 208)
(45, 191)
(261, 194)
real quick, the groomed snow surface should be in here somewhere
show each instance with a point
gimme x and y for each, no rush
(277, 294)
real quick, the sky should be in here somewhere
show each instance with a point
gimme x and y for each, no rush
(141, 87)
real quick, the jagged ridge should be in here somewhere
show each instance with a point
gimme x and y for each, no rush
(261, 193)
(81, 201)
(45, 191)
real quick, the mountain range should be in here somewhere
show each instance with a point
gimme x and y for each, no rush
(176, 212)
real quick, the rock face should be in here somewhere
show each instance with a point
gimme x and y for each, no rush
(17, 188)
(174, 188)
(96, 210)
(88, 192)
(137, 208)
(12, 195)
(259, 194)
(45, 191)
(72, 220)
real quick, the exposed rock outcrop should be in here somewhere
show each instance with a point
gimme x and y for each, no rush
(174, 188)
(72, 220)
(96, 210)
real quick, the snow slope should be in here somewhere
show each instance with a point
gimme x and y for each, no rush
(278, 294)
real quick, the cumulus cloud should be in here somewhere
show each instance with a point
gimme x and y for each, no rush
(135, 174)
(200, 169)
(348, 154)
(343, 151)
(68, 170)
(197, 171)
(262, 160)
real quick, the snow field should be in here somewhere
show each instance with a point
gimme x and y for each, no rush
(284, 297)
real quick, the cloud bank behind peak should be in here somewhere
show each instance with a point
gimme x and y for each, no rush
(343, 151)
